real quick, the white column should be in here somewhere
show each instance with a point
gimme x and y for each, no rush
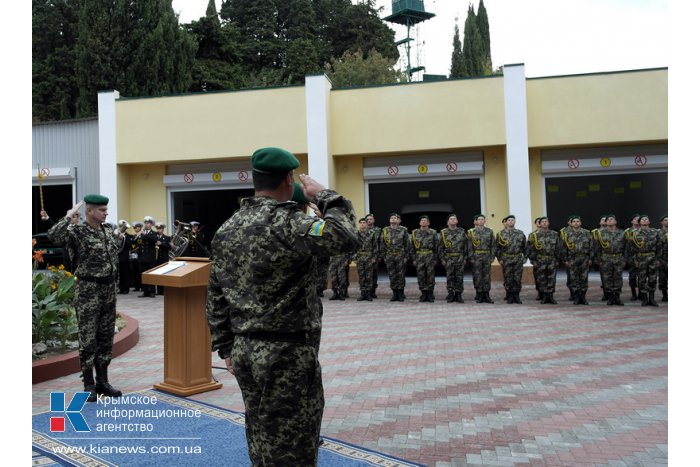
(107, 129)
(517, 164)
(318, 96)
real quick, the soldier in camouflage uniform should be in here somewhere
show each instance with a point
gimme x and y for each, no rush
(339, 276)
(602, 225)
(481, 248)
(263, 311)
(629, 256)
(424, 255)
(365, 257)
(321, 262)
(609, 254)
(453, 255)
(377, 233)
(576, 253)
(395, 250)
(535, 276)
(663, 259)
(510, 252)
(94, 253)
(563, 232)
(542, 249)
(645, 247)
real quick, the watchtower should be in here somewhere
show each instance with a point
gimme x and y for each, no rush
(408, 13)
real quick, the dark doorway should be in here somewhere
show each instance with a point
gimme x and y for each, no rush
(57, 200)
(211, 208)
(593, 196)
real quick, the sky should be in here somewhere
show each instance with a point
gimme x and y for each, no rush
(551, 37)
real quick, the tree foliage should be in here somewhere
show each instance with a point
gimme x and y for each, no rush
(458, 68)
(477, 42)
(354, 69)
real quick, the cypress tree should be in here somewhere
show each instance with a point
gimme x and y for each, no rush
(482, 21)
(459, 65)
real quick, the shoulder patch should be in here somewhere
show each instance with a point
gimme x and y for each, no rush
(316, 229)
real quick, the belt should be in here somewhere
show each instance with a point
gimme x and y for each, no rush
(612, 254)
(482, 251)
(454, 254)
(364, 251)
(511, 255)
(270, 336)
(646, 254)
(579, 254)
(544, 257)
(99, 280)
(395, 252)
(424, 252)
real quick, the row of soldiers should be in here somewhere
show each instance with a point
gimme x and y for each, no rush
(641, 249)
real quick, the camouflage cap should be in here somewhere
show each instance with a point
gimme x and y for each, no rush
(97, 200)
(274, 160)
(298, 196)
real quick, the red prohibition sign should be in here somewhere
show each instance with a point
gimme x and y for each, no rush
(243, 175)
(45, 172)
(393, 170)
(451, 167)
(641, 161)
(574, 163)
(189, 178)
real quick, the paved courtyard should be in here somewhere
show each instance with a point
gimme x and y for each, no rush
(449, 384)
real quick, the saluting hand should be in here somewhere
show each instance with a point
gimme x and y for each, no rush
(74, 210)
(310, 187)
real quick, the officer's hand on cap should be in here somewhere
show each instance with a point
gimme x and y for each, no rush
(310, 186)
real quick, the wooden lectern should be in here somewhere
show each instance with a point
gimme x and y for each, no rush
(187, 365)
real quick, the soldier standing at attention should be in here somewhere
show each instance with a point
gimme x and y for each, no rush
(595, 253)
(629, 255)
(377, 234)
(263, 311)
(576, 254)
(453, 255)
(395, 251)
(481, 249)
(645, 245)
(424, 253)
(146, 243)
(339, 277)
(365, 257)
(510, 252)
(543, 251)
(94, 252)
(563, 232)
(609, 254)
(663, 259)
(162, 250)
(535, 276)
(134, 256)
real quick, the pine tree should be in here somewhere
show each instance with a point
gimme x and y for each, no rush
(459, 65)
(482, 21)
(470, 33)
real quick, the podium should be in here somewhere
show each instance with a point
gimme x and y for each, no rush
(187, 340)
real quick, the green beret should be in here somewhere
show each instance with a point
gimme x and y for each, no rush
(97, 200)
(424, 216)
(508, 217)
(665, 216)
(363, 219)
(298, 196)
(574, 217)
(274, 160)
(643, 215)
(395, 214)
(451, 215)
(478, 216)
(537, 220)
(369, 214)
(610, 216)
(633, 216)
(543, 218)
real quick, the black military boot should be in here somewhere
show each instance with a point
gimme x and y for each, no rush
(458, 297)
(335, 296)
(487, 298)
(394, 296)
(402, 297)
(516, 298)
(89, 385)
(363, 296)
(611, 298)
(540, 296)
(374, 293)
(572, 295)
(344, 293)
(616, 299)
(664, 295)
(643, 298)
(319, 292)
(450, 297)
(431, 296)
(549, 298)
(423, 297)
(634, 296)
(582, 298)
(650, 299)
(103, 387)
(509, 297)
(479, 297)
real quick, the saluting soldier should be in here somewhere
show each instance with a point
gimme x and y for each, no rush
(94, 252)
(365, 257)
(510, 252)
(576, 254)
(645, 244)
(595, 253)
(162, 250)
(453, 255)
(629, 256)
(663, 259)
(424, 256)
(395, 250)
(481, 249)
(146, 243)
(543, 248)
(377, 234)
(609, 254)
(535, 276)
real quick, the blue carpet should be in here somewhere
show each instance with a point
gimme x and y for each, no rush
(155, 428)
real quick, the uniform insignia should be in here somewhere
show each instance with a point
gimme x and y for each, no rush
(316, 229)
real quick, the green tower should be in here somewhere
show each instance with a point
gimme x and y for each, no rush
(408, 13)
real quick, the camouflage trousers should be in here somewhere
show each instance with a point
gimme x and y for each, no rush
(481, 267)
(611, 267)
(322, 272)
(633, 274)
(536, 277)
(396, 267)
(338, 273)
(546, 271)
(425, 272)
(513, 273)
(454, 272)
(96, 309)
(578, 268)
(663, 275)
(282, 391)
(646, 273)
(365, 267)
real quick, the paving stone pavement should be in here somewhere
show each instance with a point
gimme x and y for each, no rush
(448, 384)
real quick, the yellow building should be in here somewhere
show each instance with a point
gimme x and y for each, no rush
(586, 144)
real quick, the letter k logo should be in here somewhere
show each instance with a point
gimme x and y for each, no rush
(58, 404)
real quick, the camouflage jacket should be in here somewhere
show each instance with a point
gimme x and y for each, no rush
(607, 243)
(576, 243)
(481, 241)
(94, 253)
(424, 241)
(453, 243)
(644, 242)
(262, 276)
(395, 242)
(663, 239)
(368, 245)
(510, 243)
(543, 245)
